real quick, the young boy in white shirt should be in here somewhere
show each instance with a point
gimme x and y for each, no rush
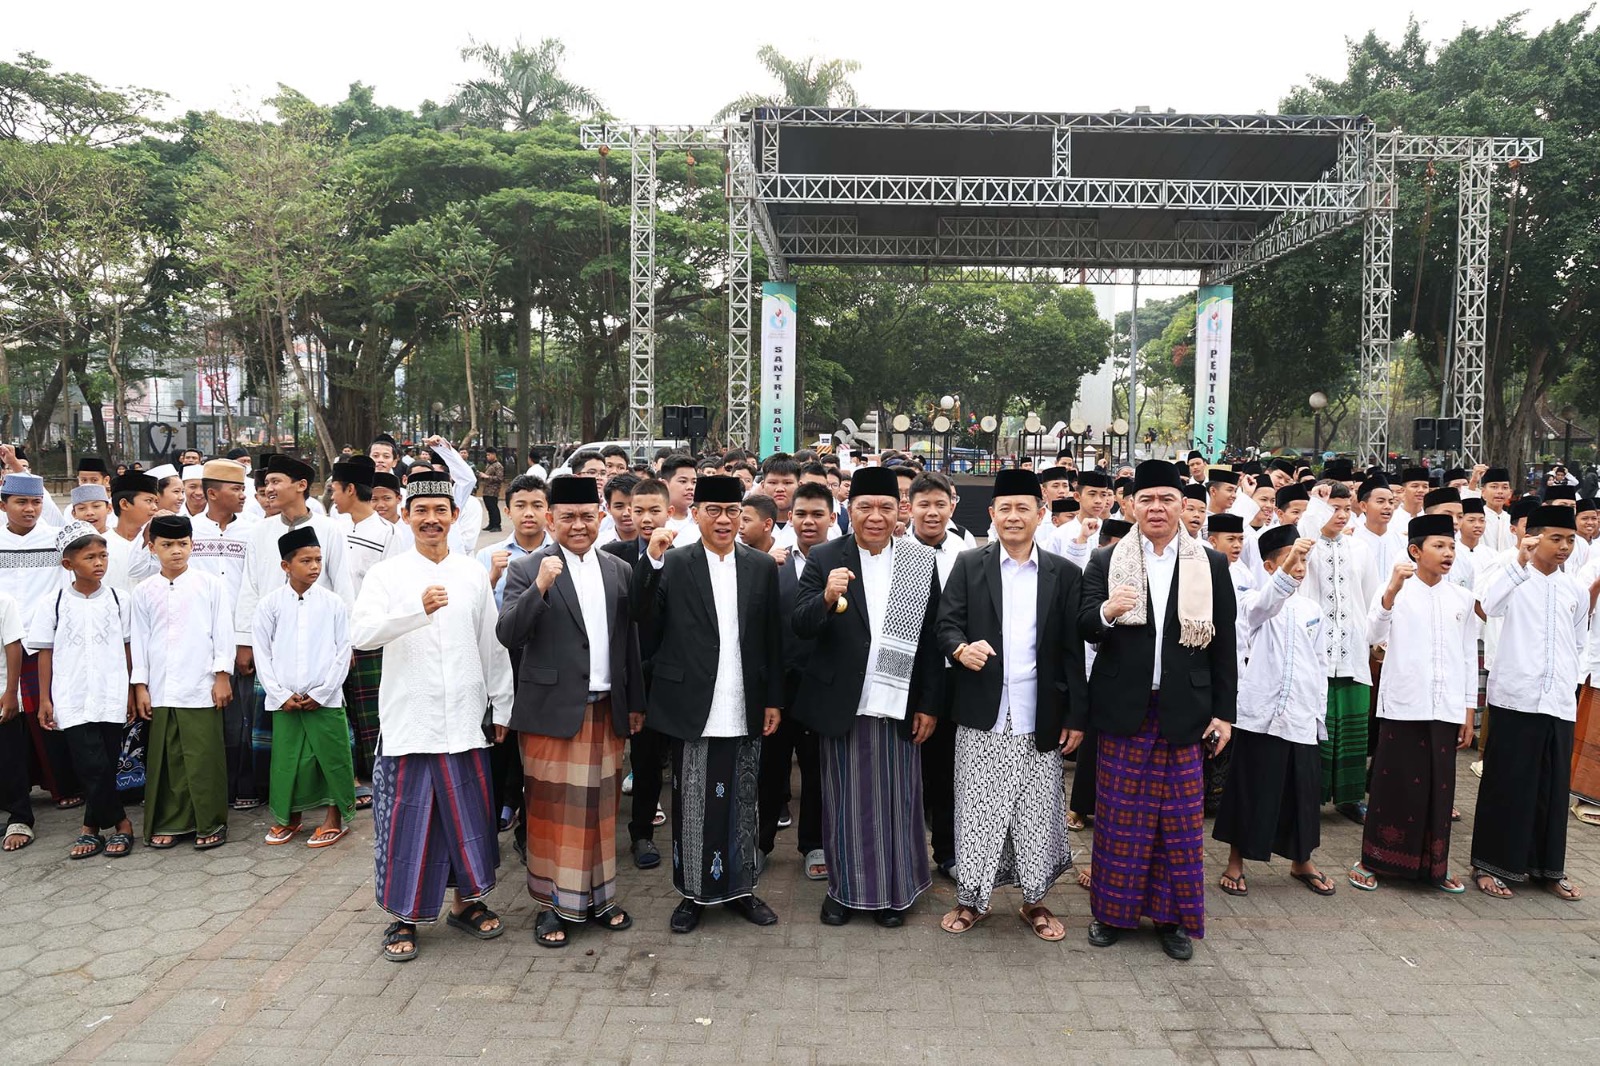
(302, 650)
(82, 638)
(1273, 799)
(183, 652)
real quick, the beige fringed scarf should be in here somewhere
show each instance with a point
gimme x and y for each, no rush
(1196, 626)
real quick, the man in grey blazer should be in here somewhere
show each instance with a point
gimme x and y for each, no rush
(580, 694)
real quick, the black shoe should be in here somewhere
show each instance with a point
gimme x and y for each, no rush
(686, 917)
(1175, 942)
(1356, 812)
(645, 855)
(834, 912)
(1102, 935)
(785, 819)
(889, 918)
(752, 910)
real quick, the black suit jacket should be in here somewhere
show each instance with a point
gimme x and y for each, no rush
(553, 666)
(796, 649)
(626, 550)
(1197, 684)
(677, 605)
(830, 685)
(970, 611)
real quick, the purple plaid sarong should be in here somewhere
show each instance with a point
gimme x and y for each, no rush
(1149, 831)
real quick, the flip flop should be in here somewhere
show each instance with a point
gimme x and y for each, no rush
(1443, 886)
(1239, 887)
(322, 839)
(221, 838)
(281, 834)
(1497, 888)
(94, 840)
(1320, 883)
(1358, 871)
(1564, 890)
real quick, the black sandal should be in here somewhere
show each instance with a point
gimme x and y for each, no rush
(1319, 882)
(473, 919)
(94, 840)
(172, 841)
(400, 933)
(608, 921)
(220, 837)
(546, 926)
(123, 842)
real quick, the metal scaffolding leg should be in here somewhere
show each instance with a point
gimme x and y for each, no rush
(1467, 377)
(1377, 298)
(642, 300)
(740, 289)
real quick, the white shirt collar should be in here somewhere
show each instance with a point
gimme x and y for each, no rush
(1032, 559)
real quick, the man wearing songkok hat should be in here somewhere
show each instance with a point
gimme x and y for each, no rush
(567, 616)
(1414, 484)
(1194, 468)
(92, 471)
(1055, 483)
(1425, 704)
(1222, 491)
(1493, 485)
(1162, 696)
(871, 692)
(1520, 830)
(302, 653)
(1007, 620)
(1272, 800)
(716, 687)
(288, 481)
(1095, 496)
(432, 612)
(183, 655)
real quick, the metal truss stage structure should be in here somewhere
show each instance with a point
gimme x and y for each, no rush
(1158, 198)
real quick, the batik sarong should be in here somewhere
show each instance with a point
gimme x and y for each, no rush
(1149, 831)
(1011, 817)
(433, 829)
(1407, 832)
(715, 782)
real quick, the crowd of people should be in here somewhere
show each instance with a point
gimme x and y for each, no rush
(1250, 641)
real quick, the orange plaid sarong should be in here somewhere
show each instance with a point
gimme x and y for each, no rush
(572, 789)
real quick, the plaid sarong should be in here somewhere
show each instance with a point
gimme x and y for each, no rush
(1149, 830)
(1344, 753)
(361, 706)
(433, 829)
(571, 791)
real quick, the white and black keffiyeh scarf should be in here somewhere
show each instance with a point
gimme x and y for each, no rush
(910, 585)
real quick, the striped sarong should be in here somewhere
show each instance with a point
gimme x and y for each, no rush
(715, 782)
(873, 832)
(572, 787)
(361, 705)
(433, 829)
(1149, 831)
(1344, 753)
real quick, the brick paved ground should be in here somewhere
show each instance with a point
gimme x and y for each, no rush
(257, 954)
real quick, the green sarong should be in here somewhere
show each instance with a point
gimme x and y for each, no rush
(186, 773)
(1344, 753)
(311, 764)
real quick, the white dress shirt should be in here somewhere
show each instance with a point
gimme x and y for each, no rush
(485, 558)
(1341, 579)
(1019, 639)
(1244, 582)
(1542, 643)
(370, 541)
(440, 670)
(1432, 662)
(877, 574)
(591, 585)
(727, 717)
(1159, 569)
(1591, 666)
(302, 645)
(1385, 549)
(1497, 530)
(88, 638)
(181, 638)
(129, 562)
(1283, 690)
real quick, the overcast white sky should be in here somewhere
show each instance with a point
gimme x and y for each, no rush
(661, 62)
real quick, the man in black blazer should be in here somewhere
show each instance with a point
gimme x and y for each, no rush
(567, 611)
(811, 517)
(871, 694)
(1008, 620)
(647, 749)
(1161, 695)
(716, 686)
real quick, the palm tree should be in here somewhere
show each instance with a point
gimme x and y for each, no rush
(521, 88)
(808, 82)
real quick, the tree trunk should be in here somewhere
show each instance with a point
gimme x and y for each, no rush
(521, 315)
(307, 393)
(7, 412)
(46, 409)
(472, 391)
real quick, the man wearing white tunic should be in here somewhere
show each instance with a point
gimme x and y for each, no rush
(287, 483)
(1013, 603)
(433, 614)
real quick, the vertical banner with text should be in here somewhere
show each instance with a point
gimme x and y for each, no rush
(1213, 339)
(777, 430)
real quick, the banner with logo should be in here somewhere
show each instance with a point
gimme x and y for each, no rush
(776, 433)
(1213, 356)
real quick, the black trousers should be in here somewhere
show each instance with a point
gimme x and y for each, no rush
(15, 788)
(647, 751)
(491, 508)
(1520, 827)
(778, 754)
(1081, 799)
(96, 749)
(939, 790)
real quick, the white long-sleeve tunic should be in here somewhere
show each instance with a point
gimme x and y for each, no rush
(440, 670)
(1431, 668)
(302, 645)
(263, 565)
(1341, 579)
(182, 637)
(1283, 690)
(1542, 641)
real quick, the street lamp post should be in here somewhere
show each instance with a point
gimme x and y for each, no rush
(947, 404)
(437, 409)
(1318, 400)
